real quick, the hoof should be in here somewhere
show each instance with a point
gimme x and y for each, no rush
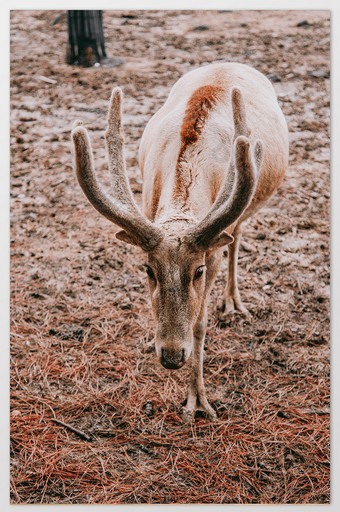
(230, 306)
(189, 416)
(211, 415)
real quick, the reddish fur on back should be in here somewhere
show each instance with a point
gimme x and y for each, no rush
(198, 107)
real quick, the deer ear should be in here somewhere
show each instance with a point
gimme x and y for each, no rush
(221, 240)
(126, 237)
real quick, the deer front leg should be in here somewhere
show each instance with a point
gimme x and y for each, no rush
(231, 299)
(196, 399)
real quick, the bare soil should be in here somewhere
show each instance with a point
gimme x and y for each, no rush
(81, 322)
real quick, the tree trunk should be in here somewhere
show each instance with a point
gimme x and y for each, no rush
(86, 42)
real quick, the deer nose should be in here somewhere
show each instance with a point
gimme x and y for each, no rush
(171, 360)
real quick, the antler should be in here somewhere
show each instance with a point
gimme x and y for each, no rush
(239, 187)
(239, 114)
(120, 209)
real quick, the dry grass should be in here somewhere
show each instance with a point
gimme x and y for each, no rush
(80, 321)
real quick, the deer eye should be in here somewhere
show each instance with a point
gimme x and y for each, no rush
(199, 272)
(150, 273)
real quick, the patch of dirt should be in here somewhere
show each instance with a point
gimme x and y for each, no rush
(81, 322)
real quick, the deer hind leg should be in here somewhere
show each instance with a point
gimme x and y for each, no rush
(231, 298)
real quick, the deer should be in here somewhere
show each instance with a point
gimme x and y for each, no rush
(210, 158)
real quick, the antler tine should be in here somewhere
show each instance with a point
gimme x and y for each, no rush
(86, 174)
(228, 208)
(239, 114)
(120, 209)
(240, 128)
(258, 154)
(115, 151)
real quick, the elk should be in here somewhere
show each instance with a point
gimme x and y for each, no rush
(210, 158)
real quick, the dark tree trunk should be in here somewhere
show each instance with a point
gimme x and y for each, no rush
(86, 42)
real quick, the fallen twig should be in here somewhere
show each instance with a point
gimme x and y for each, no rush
(47, 80)
(319, 412)
(75, 430)
(58, 183)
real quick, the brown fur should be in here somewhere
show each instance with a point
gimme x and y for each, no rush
(198, 107)
(156, 194)
(201, 102)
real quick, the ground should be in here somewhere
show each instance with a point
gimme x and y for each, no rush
(81, 322)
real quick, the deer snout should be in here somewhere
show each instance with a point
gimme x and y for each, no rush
(173, 349)
(172, 359)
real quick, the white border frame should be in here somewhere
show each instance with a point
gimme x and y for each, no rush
(5, 7)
